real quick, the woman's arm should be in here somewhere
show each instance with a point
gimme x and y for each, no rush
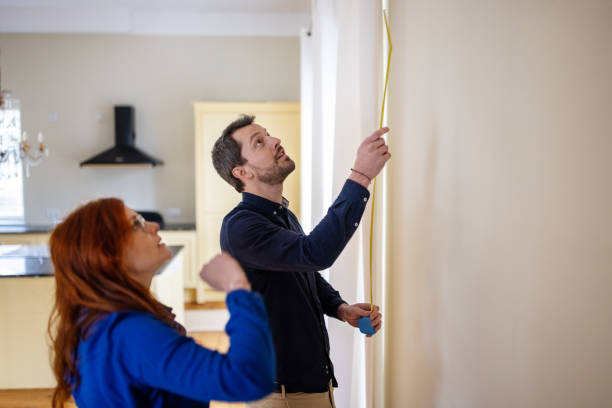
(157, 356)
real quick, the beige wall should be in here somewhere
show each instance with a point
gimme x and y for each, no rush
(500, 243)
(81, 76)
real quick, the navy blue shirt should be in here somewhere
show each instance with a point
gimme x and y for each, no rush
(131, 359)
(282, 264)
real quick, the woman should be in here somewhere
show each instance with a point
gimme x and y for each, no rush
(116, 346)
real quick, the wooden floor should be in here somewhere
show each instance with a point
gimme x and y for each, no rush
(39, 398)
(205, 306)
(28, 398)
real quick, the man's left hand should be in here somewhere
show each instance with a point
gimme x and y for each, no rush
(352, 313)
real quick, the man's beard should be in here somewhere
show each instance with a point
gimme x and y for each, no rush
(276, 175)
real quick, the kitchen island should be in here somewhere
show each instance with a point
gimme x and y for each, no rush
(26, 297)
(181, 234)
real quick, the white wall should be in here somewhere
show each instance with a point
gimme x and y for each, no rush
(500, 286)
(81, 76)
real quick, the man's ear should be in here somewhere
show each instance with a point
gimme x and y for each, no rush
(238, 172)
(241, 173)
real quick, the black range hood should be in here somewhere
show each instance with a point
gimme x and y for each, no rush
(124, 153)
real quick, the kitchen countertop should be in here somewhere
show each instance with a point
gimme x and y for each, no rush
(38, 229)
(24, 261)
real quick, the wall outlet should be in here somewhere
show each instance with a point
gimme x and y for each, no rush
(173, 212)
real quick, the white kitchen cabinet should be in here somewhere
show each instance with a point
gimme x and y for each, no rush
(187, 239)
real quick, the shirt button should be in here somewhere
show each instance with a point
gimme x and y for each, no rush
(356, 224)
(274, 213)
(365, 199)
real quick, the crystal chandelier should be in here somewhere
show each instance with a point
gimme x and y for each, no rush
(14, 145)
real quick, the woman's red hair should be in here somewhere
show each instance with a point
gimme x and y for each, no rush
(91, 281)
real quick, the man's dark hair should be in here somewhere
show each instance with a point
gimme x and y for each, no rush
(226, 152)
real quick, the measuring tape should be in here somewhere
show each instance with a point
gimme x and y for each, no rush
(364, 322)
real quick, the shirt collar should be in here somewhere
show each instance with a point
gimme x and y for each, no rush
(263, 203)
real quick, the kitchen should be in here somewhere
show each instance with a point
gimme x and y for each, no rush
(70, 67)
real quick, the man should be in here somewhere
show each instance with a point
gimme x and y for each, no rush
(282, 262)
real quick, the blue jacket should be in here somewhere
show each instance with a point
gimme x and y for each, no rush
(131, 359)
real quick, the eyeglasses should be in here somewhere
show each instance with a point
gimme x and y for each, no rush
(139, 223)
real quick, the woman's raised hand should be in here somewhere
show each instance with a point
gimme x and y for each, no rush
(224, 273)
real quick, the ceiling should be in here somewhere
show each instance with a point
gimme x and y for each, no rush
(222, 6)
(173, 17)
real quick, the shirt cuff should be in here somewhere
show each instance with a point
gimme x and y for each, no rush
(243, 298)
(335, 306)
(354, 190)
(358, 196)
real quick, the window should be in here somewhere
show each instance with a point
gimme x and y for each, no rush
(11, 193)
(11, 174)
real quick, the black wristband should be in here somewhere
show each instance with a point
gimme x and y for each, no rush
(364, 175)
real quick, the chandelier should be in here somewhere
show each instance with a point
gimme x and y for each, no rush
(15, 147)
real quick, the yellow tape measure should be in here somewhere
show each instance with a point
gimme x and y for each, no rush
(382, 115)
(365, 322)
